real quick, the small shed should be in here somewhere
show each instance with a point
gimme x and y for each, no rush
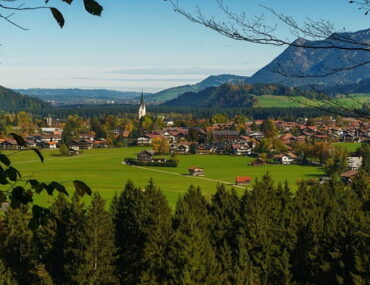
(348, 175)
(243, 180)
(196, 171)
(259, 162)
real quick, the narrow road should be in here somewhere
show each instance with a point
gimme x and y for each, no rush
(178, 174)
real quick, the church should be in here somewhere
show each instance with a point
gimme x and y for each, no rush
(142, 110)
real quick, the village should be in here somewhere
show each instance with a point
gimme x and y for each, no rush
(267, 141)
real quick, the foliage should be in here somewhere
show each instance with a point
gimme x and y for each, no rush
(161, 145)
(267, 235)
(19, 192)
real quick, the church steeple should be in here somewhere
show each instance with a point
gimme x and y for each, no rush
(142, 109)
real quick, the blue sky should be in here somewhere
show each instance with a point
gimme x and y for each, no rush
(143, 44)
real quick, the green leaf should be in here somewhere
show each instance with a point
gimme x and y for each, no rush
(38, 154)
(19, 139)
(60, 188)
(34, 224)
(82, 188)
(18, 192)
(58, 16)
(93, 7)
(3, 176)
(37, 211)
(12, 173)
(4, 159)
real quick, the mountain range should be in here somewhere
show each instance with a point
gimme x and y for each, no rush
(81, 96)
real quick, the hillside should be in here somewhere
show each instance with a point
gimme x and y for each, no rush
(82, 96)
(362, 86)
(258, 96)
(316, 62)
(211, 81)
(231, 95)
(11, 101)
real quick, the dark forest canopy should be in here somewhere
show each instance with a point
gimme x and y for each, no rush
(90, 111)
(11, 101)
(266, 235)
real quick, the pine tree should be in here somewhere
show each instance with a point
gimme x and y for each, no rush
(100, 248)
(76, 266)
(63, 242)
(17, 248)
(191, 259)
(268, 231)
(158, 233)
(226, 238)
(129, 212)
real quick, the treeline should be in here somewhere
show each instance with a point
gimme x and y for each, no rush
(91, 111)
(319, 235)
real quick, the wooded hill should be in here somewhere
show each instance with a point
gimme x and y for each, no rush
(235, 95)
(11, 101)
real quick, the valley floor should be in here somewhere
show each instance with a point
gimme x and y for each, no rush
(103, 171)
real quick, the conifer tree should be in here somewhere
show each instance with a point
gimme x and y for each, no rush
(17, 249)
(190, 254)
(63, 242)
(268, 232)
(76, 266)
(129, 211)
(158, 233)
(100, 248)
(226, 238)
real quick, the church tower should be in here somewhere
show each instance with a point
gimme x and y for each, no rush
(142, 110)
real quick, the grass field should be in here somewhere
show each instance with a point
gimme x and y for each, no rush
(349, 146)
(274, 101)
(103, 171)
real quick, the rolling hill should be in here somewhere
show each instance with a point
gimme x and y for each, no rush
(211, 81)
(232, 95)
(81, 96)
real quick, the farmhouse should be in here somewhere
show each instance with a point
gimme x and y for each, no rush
(196, 171)
(8, 144)
(285, 159)
(145, 155)
(243, 180)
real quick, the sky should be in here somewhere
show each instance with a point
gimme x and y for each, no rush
(143, 44)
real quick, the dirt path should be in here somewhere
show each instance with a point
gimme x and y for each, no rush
(194, 177)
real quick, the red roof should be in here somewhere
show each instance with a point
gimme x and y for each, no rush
(243, 179)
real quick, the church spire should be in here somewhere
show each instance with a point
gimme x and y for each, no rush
(142, 109)
(142, 99)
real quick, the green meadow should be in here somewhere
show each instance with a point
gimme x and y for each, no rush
(103, 171)
(274, 101)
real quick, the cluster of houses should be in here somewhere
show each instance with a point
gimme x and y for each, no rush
(50, 138)
(225, 140)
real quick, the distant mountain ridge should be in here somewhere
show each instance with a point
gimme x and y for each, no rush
(295, 62)
(78, 96)
(11, 101)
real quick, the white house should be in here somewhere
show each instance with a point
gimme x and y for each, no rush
(354, 162)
